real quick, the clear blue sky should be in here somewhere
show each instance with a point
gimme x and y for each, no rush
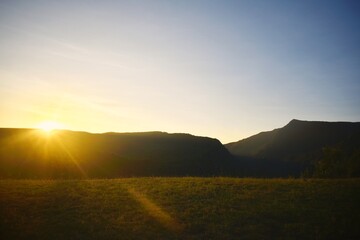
(224, 69)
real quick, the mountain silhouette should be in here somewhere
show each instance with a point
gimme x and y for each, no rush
(29, 153)
(297, 146)
(318, 149)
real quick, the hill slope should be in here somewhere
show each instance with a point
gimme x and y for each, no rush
(31, 153)
(299, 142)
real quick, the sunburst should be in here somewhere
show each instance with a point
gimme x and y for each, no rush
(49, 126)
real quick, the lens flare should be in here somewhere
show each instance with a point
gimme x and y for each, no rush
(49, 126)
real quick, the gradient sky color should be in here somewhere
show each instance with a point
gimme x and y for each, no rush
(224, 69)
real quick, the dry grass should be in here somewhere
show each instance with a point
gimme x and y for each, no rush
(180, 208)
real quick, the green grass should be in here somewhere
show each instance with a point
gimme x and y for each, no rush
(180, 208)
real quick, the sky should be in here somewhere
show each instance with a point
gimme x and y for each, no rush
(223, 69)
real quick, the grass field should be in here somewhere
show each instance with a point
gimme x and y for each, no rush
(180, 208)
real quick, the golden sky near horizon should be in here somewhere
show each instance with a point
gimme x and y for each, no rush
(223, 69)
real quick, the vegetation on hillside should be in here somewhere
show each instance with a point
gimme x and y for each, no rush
(337, 163)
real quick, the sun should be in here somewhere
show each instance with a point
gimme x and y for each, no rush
(49, 126)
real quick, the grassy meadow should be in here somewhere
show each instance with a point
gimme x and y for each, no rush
(180, 208)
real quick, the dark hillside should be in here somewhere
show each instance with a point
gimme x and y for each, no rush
(28, 153)
(298, 145)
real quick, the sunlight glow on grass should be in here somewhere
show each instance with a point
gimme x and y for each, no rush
(156, 211)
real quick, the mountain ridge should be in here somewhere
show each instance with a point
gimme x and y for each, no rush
(299, 144)
(295, 128)
(322, 148)
(68, 154)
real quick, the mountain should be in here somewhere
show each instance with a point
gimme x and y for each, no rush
(319, 149)
(30, 153)
(297, 146)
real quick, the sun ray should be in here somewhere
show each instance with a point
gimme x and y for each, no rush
(156, 211)
(73, 159)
